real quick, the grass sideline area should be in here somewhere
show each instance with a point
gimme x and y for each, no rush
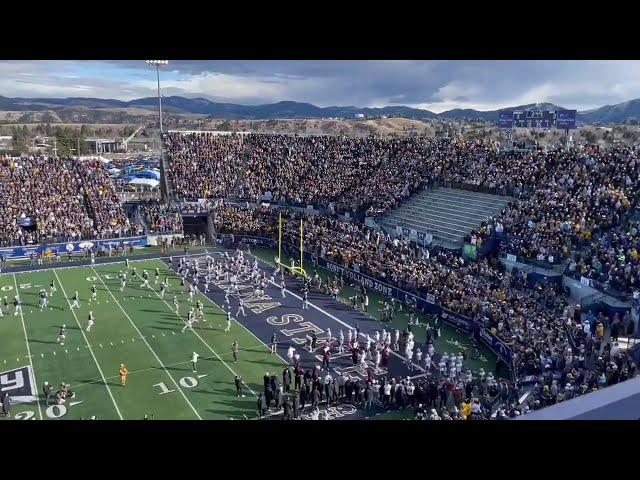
(138, 328)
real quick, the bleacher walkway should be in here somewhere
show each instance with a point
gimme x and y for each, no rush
(448, 214)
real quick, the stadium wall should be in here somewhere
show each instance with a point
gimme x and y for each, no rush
(616, 402)
(73, 247)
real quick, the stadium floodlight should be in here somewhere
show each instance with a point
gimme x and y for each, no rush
(158, 64)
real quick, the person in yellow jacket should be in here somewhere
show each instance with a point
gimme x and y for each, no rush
(465, 409)
(600, 330)
(123, 374)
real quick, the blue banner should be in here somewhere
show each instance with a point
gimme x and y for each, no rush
(566, 119)
(497, 346)
(505, 120)
(73, 247)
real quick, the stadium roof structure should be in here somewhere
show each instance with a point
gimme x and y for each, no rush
(617, 402)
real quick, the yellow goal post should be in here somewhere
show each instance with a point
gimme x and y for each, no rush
(293, 269)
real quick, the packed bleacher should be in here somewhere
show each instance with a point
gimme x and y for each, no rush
(65, 200)
(565, 199)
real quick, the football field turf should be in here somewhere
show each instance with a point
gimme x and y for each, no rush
(138, 328)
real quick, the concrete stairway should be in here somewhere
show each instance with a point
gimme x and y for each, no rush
(446, 213)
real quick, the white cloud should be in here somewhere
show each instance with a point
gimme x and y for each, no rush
(435, 85)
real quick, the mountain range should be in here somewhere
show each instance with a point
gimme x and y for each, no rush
(607, 114)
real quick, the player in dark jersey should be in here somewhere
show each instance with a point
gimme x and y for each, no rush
(62, 335)
(43, 299)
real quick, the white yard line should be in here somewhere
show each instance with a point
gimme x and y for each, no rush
(147, 343)
(104, 380)
(198, 335)
(26, 339)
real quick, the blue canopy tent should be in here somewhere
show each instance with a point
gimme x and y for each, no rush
(149, 174)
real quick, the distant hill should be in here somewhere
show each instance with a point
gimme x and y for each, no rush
(298, 110)
(613, 113)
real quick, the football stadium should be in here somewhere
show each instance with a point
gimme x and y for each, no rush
(242, 274)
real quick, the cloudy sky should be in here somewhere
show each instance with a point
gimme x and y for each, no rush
(434, 85)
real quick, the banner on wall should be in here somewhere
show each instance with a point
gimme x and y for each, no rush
(50, 250)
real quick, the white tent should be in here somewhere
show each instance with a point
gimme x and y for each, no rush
(147, 182)
(113, 170)
(95, 157)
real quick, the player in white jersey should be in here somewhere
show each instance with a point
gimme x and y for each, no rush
(329, 337)
(162, 290)
(408, 355)
(442, 367)
(126, 263)
(378, 359)
(93, 258)
(17, 308)
(206, 284)
(176, 304)
(145, 278)
(94, 292)
(189, 325)
(62, 335)
(427, 362)
(76, 300)
(43, 299)
(228, 327)
(282, 289)
(305, 301)
(194, 361)
(123, 282)
(418, 356)
(290, 352)
(241, 308)
(349, 336)
(52, 288)
(377, 336)
(90, 321)
(191, 292)
(157, 275)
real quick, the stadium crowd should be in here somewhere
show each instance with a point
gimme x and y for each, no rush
(161, 218)
(564, 199)
(57, 200)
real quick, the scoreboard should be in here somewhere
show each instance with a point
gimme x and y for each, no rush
(534, 119)
(563, 119)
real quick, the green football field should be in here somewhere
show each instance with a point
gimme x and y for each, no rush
(138, 328)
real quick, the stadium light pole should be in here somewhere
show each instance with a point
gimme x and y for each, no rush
(158, 64)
